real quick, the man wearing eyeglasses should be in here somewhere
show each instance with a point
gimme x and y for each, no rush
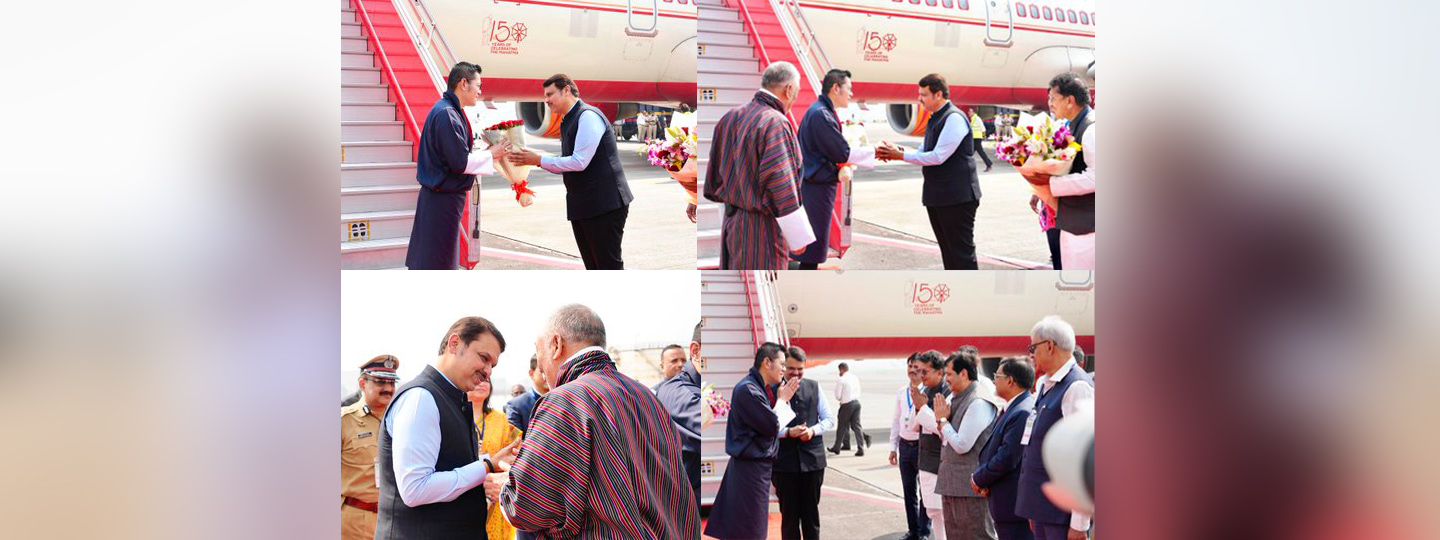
(1064, 386)
(359, 433)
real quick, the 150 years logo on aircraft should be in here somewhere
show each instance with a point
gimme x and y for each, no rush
(876, 46)
(505, 36)
(925, 298)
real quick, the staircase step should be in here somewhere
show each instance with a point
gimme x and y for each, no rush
(366, 111)
(357, 59)
(708, 263)
(382, 225)
(718, 13)
(396, 173)
(706, 26)
(350, 30)
(354, 44)
(372, 131)
(707, 217)
(377, 198)
(348, 16)
(375, 152)
(353, 75)
(707, 243)
(727, 84)
(724, 38)
(345, 4)
(707, 64)
(373, 254)
(735, 52)
(365, 92)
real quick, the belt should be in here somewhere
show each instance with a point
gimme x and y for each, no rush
(357, 503)
(909, 443)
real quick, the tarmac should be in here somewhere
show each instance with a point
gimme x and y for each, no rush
(892, 230)
(658, 236)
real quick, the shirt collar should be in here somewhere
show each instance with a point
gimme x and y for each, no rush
(1012, 401)
(582, 352)
(771, 94)
(1062, 372)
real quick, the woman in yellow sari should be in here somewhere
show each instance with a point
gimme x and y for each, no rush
(496, 434)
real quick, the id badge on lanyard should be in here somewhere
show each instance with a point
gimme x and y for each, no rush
(1030, 426)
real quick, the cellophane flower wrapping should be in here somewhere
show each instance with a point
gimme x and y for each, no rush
(1040, 145)
(513, 131)
(719, 406)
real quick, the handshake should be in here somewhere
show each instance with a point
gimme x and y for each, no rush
(888, 151)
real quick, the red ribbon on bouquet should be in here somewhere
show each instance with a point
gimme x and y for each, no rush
(521, 189)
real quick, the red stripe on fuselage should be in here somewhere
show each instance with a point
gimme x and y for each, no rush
(906, 15)
(506, 89)
(901, 347)
(597, 7)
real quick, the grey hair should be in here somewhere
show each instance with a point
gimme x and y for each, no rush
(779, 75)
(1055, 329)
(577, 324)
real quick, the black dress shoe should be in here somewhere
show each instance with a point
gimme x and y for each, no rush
(987, 168)
(860, 452)
(833, 451)
(867, 439)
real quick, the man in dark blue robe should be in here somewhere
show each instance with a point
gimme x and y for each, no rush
(758, 407)
(446, 169)
(824, 148)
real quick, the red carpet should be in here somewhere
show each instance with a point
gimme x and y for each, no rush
(774, 526)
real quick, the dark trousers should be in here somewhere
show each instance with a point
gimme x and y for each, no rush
(980, 151)
(799, 494)
(1014, 530)
(692, 470)
(1052, 235)
(954, 228)
(915, 517)
(599, 239)
(522, 535)
(849, 420)
(1050, 531)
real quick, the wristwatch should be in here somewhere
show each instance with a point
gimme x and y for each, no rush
(490, 467)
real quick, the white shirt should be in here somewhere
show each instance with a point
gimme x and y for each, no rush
(977, 417)
(587, 137)
(414, 427)
(1082, 182)
(827, 420)
(847, 389)
(951, 135)
(900, 424)
(1079, 391)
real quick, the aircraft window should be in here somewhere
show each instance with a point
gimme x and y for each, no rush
(964, 4)
(1070, 14)
(915, 2)
(1047, 12)
(930, 3)
(1034, 11)
(1083, 18)
(1092, 18)
(1020, 9)
(947, 4)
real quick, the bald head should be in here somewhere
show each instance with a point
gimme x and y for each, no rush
(778, 76)
(577, 325)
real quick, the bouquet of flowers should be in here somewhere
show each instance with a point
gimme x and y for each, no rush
(1040, 148)
(719, 406)
(854, 133)
(510, 130)
(676, 154)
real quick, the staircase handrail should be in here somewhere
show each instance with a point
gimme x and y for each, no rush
(802, 40)
(764, 57)
(429, 41)
(411, 125)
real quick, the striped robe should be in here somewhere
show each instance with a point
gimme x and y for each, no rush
(601, 460)
(754, 168)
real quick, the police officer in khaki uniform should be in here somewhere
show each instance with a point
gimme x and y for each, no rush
(360, 425)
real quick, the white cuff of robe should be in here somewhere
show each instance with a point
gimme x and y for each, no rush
(796, 228)
(862, 156)
(480, 162)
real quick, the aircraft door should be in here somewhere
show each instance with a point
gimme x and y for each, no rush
(641, 21)
(999, 26)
